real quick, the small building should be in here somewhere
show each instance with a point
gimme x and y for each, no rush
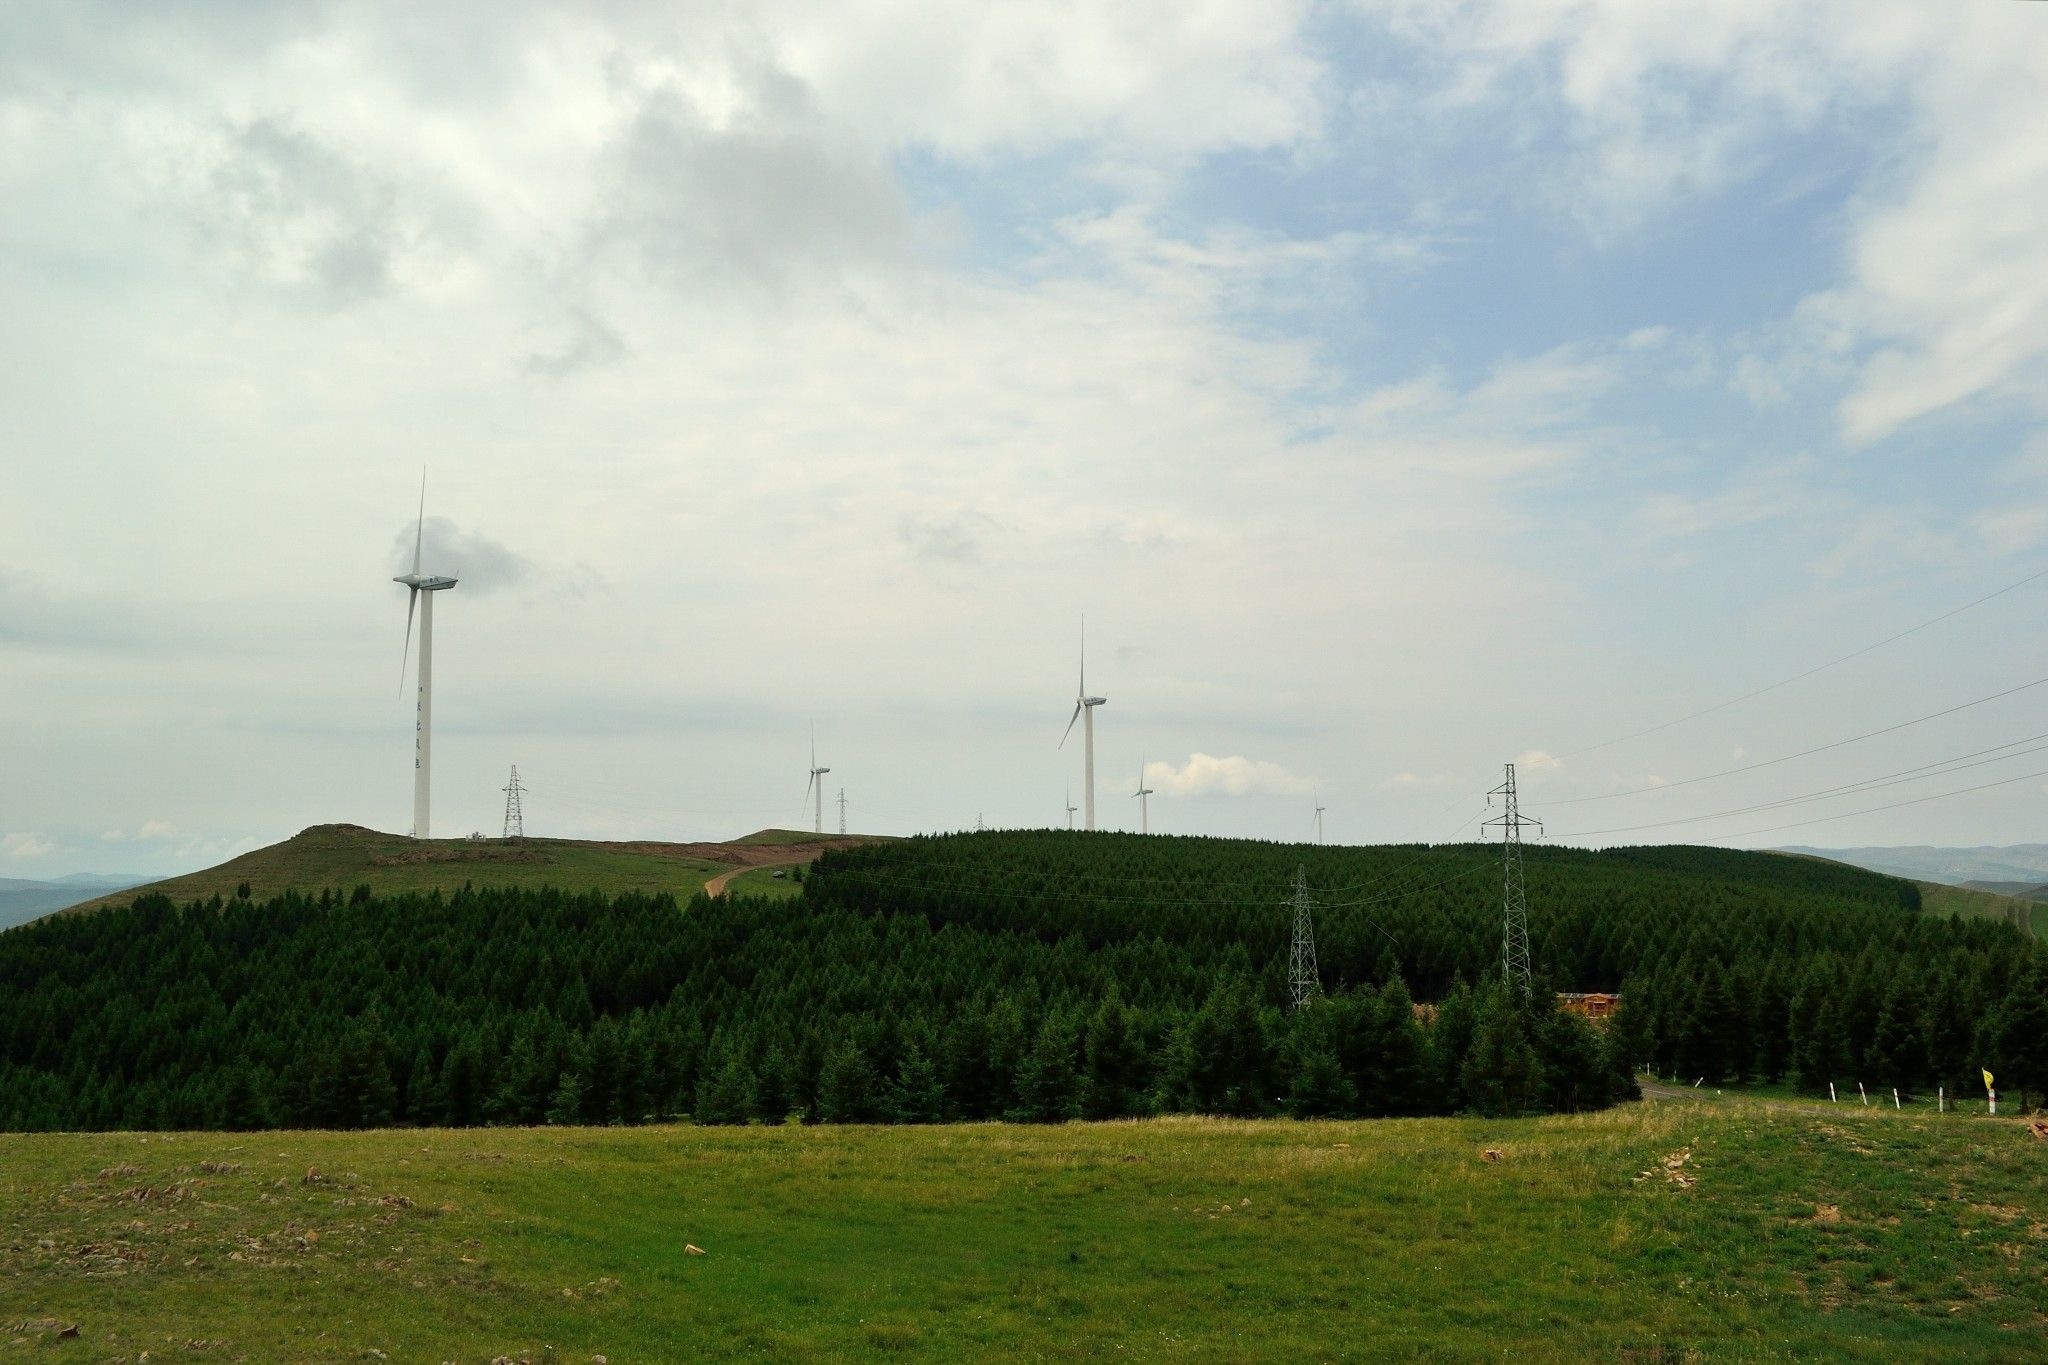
(1588, 1004)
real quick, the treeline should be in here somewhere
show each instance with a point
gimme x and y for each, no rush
(1022, 976)
(519, 1007)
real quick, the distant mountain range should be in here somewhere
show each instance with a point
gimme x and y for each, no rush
(2011, 869)
(22, 901)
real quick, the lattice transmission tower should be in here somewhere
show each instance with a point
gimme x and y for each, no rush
(1514, 897)
(515, 817)
(1304, 982)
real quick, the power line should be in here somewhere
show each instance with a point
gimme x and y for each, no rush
(1803, 753)
(1941, 768)
(1872, 810)
(1817, 668)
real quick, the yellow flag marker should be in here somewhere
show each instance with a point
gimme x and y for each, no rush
(1987, 1080)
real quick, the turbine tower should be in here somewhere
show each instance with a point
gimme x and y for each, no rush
(1320, 808)
(1071, 807)
(421, 586)
(1084, 711)
(1143, 791)
(842, 810)
(815, 786)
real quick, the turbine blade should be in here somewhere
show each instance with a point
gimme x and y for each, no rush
(419, 529)
(412, 601)
(1084, 656)
(1070, 725)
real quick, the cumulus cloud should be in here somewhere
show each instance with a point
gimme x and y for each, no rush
(1205, 775)
(26, 844)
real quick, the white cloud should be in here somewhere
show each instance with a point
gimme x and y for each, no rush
(1532, 761)
(26, 844)
(1204, 775)
(1942, 299)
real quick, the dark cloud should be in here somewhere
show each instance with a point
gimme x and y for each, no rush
(772, 195)
(591, 344)
(949, 538)
(484, 565)
(302, 214)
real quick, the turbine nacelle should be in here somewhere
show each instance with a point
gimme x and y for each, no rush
(430, 583)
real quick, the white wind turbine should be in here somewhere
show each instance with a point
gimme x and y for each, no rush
(423, 723)
(1320, 808)
(1143, 791)
(817, 787)
(1070, 805)
(1084, 711)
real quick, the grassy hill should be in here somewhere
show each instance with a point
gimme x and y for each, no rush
(1665, 1231)
(1969, 903)
(343, 857)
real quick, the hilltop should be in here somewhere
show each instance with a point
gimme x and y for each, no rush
(343, 857)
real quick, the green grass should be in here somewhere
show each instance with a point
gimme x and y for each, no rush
(343, 857)
(1943, 901)
(1859, 1236)
(762, 881)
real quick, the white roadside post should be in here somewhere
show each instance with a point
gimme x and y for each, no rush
(1864, 1093)
(1833, 1098)
(1895, 1098)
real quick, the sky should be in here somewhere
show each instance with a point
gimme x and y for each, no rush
(1399, 388)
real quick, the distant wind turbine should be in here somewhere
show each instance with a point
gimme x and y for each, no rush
(1084, 711)
(421, 585)
(817, 787)
(1320, 808)
(1143, 791)
(1070, 805)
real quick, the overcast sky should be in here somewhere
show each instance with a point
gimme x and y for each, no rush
(1400, 388)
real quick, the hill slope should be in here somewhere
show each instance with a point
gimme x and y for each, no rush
(343, 857)
(1980, 903)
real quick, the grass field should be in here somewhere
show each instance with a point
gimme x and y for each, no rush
(1937, 899)
(1663, 1231)
(762, 881)
(342, 857)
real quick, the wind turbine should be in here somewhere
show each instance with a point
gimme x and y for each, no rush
(1084, 710)
(1143, 791)
(421, 585)
(814, 785)
(1320, 808)
(1070, 805)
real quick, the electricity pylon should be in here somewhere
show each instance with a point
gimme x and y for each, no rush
(1304, 982)
(842, 810)
(515, 817)
(1514, 947)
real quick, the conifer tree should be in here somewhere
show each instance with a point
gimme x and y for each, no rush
(846, 1086)
(1501, 1074)
(1048, 1085)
